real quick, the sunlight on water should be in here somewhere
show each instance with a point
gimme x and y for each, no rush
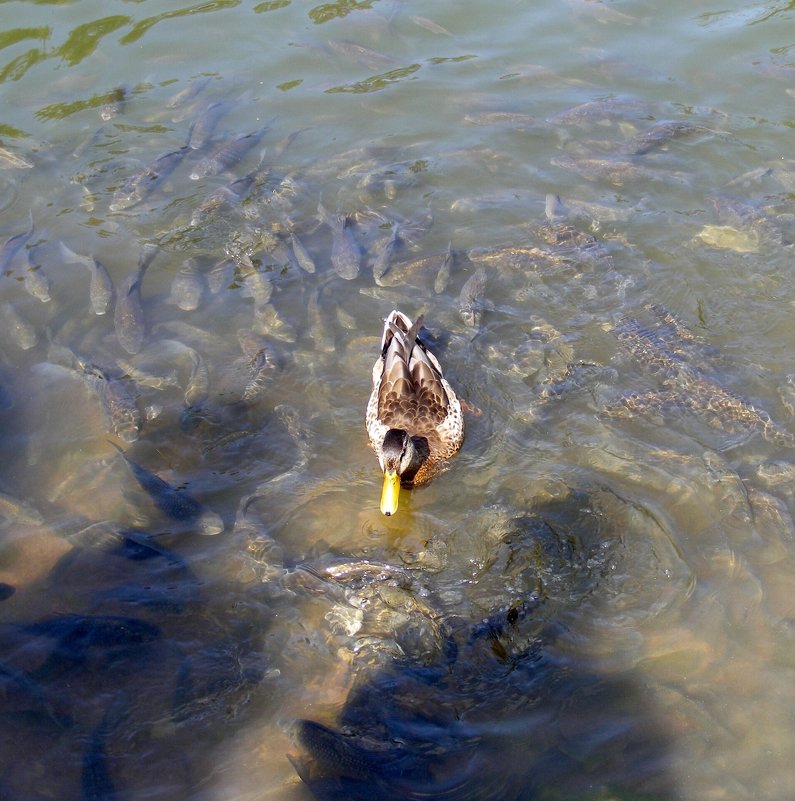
(206, 214)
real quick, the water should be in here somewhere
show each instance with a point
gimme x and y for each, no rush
(595, 600)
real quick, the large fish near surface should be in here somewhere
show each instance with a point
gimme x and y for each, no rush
(118, 402)
(187, 286)
(443, 275)
(176, 504)
(20, 330)
(100, 289)
(128, 317)
(139, 186)
(36, 282)
(13, 245)
(75, 635)
(470, 301)
(383, 261)
(204, 125)
(346, 255)
(96, 776)
(228, 154)
(302, 257)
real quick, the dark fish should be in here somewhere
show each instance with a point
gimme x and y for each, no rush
(470, 301)
(228, 154)
(345, 252)
(13, 245)
(118, 402)
(204, 125)
(128, 316)
(443, 276)
(187, 286)
(660, 134)
(139, 186)
(95, 774)
(77, 633)
(101, 285)
(337, 755)
(22, 693)
(175, 504)
(6, 591)
(383, 260)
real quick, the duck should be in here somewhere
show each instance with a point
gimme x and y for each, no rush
(414, 418)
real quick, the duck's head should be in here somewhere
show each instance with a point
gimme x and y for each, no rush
(398, 456)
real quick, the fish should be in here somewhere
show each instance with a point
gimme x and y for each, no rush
(19, 329)
(146, 379)
(99, 630)
(128, 315)
(6, 591)
(271, 323)
(258, 284)
(36, 282)
(75, 635)
(13, 245)
(336, 755)
(13, 510)
(259, 362)
(114, 103)
(96, 776)
(187, 286)
(13, 161)
(228, 155)
(383, 260)
(301, 255)
(360, 54)
(118, 402)
(221, 276)
(443, 276)
(100, 291)
(345, 252)
(204, 125)
(175, 504)
(319, 330)
(22, 693)
(660, 134)
(184, 96)
(197, 388)
(470, 301)
(140, 185)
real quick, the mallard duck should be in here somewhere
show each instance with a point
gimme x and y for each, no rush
(414, 418)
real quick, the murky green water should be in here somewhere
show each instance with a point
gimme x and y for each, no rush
(595, 600)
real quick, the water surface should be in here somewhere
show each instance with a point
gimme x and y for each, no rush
(595, 599)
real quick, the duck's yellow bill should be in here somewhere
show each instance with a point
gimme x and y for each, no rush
(390, 492)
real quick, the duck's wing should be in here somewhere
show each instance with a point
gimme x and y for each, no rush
(411, 394)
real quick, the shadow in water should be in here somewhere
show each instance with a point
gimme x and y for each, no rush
(499, 711)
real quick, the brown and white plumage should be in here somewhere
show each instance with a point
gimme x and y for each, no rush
(414, 418)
